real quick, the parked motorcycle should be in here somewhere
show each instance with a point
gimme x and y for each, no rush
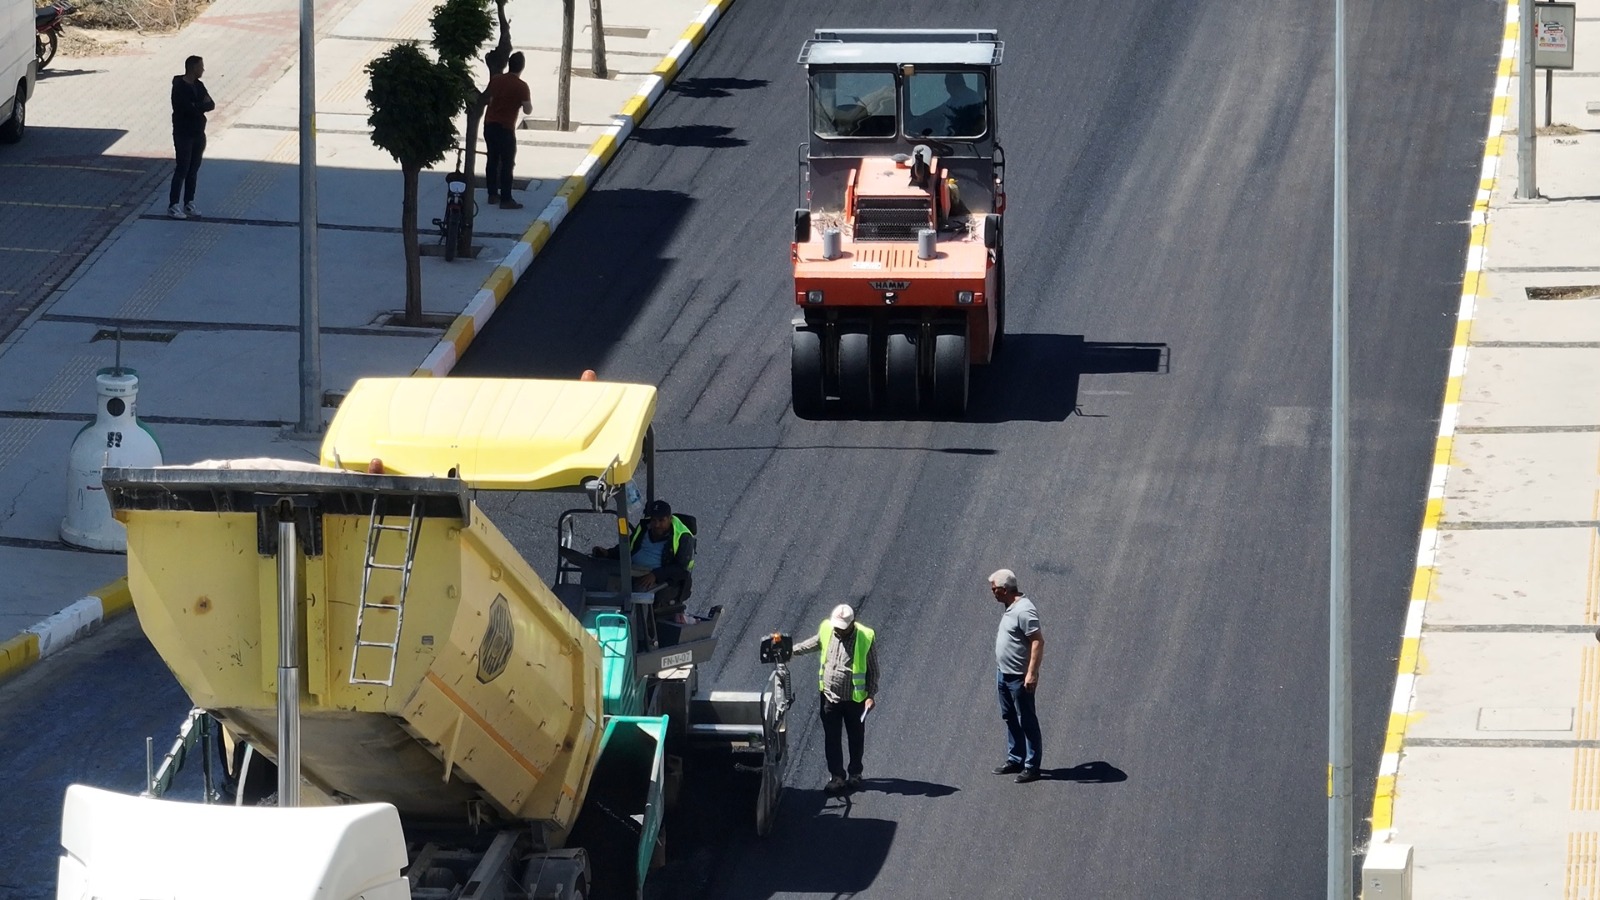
(47, 29)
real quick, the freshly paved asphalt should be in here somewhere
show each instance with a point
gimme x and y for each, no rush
(1170, 181)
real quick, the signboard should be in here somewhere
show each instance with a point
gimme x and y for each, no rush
(1553, 34)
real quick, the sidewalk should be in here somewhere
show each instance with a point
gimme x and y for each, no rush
(210, 307)
(1492, 773)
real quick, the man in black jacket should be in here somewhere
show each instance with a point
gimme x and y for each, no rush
(190, 103)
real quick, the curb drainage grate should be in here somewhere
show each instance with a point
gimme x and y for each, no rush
(1565, 292)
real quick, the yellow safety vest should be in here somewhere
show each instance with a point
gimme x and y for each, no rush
(858, 659)
(678, 531)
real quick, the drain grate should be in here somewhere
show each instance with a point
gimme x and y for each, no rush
(626, 31)
(1565, 292)
(149, 337)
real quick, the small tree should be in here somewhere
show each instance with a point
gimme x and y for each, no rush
(597, 44)
(414, 104)
(459, 28)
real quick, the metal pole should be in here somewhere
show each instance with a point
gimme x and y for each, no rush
(310, 314)
(1549, 94)
(1341, 857)
(1527, 132)
(288, 661)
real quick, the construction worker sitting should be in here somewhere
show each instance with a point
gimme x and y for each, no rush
(662, 553)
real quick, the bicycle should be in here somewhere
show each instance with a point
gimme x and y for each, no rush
(450, 226)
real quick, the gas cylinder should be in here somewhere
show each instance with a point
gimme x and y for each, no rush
(116, 437)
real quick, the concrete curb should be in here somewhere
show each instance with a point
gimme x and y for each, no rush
(83, 617)
(497, 286)
(1400, 713)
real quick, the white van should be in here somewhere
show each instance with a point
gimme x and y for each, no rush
(18, 66)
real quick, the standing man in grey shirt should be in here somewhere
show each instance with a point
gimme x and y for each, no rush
(848, 680)
(1018, 651)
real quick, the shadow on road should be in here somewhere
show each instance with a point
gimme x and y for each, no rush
(712, 88)
(1097, 772)
(1036, 376)
(48, 74)
(906, 788)
(717, 137)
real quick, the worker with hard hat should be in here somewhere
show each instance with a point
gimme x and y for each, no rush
(848, 682)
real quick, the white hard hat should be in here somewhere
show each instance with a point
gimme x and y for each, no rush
(843, 616)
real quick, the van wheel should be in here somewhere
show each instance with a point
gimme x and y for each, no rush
(11, 129)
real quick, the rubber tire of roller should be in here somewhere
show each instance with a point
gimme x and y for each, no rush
(805, 375)
(901, 387)
(855, 370)
(951, 371)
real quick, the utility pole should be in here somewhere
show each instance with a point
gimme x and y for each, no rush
(1341, 855)
(310, 314)
(1527, 132)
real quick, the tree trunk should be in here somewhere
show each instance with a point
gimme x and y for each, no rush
(496, 59)
(408, 234)
(564, 77)
(597, 30)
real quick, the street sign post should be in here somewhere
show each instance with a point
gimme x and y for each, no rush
(1554, 27)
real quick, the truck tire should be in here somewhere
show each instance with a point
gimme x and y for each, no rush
(901, 388)
(855, 369)
(805, 375)
(12, 129)
(950, 374)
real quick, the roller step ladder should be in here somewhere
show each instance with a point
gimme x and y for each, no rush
(376, 527)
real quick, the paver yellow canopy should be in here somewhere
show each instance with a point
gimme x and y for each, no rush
(509, 434)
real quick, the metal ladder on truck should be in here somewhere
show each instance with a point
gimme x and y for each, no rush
(376, 526)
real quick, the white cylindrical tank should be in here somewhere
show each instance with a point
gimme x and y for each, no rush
(114, 438)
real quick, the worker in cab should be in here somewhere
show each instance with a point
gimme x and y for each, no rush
(848, 681)
(661, 549)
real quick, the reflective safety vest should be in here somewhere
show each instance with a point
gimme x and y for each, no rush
(678, 531)
(858, 660)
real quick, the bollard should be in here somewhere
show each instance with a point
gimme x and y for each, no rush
(114, 438)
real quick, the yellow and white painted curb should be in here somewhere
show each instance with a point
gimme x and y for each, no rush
(83, 617)
(1472, 287)
(475, 316)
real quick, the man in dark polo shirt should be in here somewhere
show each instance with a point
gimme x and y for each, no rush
(507, 95)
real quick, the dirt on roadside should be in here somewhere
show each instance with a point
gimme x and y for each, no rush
(136, 15)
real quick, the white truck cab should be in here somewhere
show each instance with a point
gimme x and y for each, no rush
(18, 67)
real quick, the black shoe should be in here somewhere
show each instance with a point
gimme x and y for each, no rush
(1027, 775)
(1009, 768)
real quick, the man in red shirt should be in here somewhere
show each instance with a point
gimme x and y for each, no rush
(507, 94)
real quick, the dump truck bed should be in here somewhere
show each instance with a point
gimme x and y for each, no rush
(495, 693)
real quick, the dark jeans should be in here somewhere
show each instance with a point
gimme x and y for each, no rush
(501, 158)
(188, 148)
(1023, 744)
(846, 714)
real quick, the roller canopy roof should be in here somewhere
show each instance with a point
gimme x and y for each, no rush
(911, 46)
(497, 434)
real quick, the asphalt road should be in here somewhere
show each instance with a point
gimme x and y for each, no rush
(1170, 183)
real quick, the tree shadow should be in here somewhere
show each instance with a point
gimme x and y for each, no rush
(716, 137)
(1097, 772)
(1036, 377)
(711, 88)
